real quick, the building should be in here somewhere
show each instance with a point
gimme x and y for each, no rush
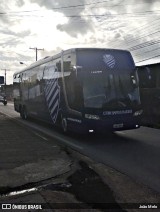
(149, 79)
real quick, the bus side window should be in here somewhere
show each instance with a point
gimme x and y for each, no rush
(58, 66)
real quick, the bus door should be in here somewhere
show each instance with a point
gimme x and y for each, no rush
(73, 91)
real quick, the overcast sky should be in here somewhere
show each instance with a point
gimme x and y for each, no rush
(55, 25)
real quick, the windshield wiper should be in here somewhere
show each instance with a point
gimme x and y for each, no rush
(120, 103)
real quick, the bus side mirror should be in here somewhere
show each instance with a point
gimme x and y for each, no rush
(134, 81)
(76, 69)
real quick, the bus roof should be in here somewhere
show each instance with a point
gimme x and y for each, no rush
(49, 58)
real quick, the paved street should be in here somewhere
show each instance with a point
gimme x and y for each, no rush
(37, 157)
(135, 153)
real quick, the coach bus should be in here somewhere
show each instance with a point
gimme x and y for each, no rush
(82, 90)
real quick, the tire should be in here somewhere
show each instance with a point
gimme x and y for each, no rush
(5, 103)
(23, 113)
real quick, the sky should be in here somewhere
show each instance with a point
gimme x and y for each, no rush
(56, 25)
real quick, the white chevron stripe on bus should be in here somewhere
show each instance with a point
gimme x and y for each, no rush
(49, 86)
(56, 105)
(53, 98)
(48, 95)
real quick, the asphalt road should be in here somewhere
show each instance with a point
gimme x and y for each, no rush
(135, 153)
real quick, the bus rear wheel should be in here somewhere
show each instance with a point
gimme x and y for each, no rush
(23, 113)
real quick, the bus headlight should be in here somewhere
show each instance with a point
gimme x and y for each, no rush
(138, 113)
(89, 116)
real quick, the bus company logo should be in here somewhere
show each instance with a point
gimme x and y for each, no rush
(109, 60)
(117, 112)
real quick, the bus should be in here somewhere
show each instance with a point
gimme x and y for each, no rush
(82, 90)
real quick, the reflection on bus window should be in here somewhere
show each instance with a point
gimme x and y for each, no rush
(105, 90)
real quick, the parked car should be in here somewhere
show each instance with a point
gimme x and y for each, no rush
(3, 100)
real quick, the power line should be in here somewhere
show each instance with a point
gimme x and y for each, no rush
(145, 26)
(72, 6)
(140, 37)
(148, 58)
(143, 45)
(58, 8)
(146, 52)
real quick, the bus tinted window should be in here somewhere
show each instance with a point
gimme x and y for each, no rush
(109, 79)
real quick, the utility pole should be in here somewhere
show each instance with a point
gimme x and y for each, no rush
(35, 48)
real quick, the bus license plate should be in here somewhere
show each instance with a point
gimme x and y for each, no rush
(118, 125)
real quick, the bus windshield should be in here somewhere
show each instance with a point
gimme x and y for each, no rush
(104, 89)
(108, 77)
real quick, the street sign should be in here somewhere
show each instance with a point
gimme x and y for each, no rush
(1, 80)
